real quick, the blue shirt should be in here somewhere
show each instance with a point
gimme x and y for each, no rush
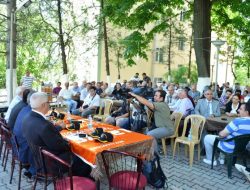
(239, 126)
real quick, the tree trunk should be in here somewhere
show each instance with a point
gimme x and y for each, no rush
(202, 36)
(118, 63)
(232, 67)
(61, 38)
(190, 55)
(105, 36)
(169, 48)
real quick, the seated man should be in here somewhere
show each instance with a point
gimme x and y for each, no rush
(184, 105)
(163, 126)
(57, 89)
(99, 90)
(120, 117)
(65, 95)
(91, 103)
(107, 91)
(194, 93)
(15, 101)
(208, 107)
(42, 133)
(239, 126)
(25, 154)
(171, 97)
(224, 99)
(85, 91)
(17, 108)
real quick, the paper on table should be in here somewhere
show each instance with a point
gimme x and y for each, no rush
(75, 137)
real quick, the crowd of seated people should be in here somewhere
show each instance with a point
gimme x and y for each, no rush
(162, 100)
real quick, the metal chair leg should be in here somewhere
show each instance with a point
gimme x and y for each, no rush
(4, 154)
(12, 169)
(35, 182)
(20, 175)
(6, 159)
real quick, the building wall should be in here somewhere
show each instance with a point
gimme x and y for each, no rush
(153, 68)
(157, 70)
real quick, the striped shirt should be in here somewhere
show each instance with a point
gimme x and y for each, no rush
(239, 126)
(27, 81)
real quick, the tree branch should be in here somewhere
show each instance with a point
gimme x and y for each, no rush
(50, 25)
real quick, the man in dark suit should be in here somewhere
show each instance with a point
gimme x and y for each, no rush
(42, 133)
(25, 154)
(16, 109)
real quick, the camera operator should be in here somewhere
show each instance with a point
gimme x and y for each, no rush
(120, 117)
(162, 125)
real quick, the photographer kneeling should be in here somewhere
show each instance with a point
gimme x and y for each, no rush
(162, 126)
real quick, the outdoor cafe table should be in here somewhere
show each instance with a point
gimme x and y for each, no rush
(89, 149)
(216, 124)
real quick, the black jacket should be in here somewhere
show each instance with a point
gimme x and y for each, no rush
(40, 132)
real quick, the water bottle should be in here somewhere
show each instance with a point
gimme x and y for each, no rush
(190, 134)
(90, 124)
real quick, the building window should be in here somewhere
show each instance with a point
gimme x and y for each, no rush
(158, 80)
(159, 55)
(181, 44)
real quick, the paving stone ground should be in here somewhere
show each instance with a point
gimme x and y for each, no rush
(180, 176)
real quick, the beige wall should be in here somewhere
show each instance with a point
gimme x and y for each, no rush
(152, 68)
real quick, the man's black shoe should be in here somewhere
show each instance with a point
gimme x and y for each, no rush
(27, 174)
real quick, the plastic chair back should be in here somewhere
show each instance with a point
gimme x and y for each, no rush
(49, 161)
(177, 120)
(6, 135)
(107, 107)
(241, 142)
(197, 123)
(124, 170)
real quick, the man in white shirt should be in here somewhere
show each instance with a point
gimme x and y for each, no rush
(65, 95)
(18, 98)
(85, 91)
(183, 105)
(136, 77)
(171, 97)
(91, 103)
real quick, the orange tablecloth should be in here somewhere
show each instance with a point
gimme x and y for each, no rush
(124, 140)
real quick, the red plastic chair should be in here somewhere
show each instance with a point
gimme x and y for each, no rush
(5, 143)
(124, 170)
(15, 160)
(56, 167)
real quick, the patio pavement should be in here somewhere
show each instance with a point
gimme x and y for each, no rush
(180, 176)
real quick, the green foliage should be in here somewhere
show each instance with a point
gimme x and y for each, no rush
(135, 16)
(241, 73)
(232, 18)
(180, 75)
(2, 73)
